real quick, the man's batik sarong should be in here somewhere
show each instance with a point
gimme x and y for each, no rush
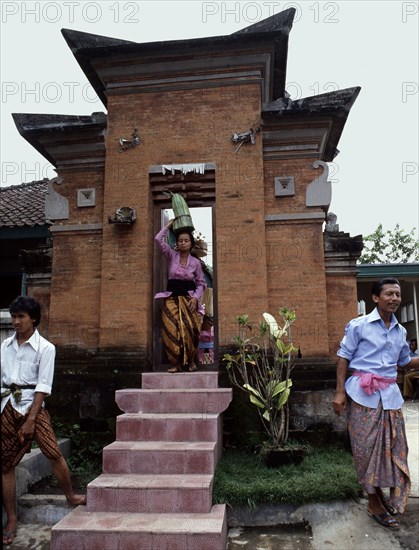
(12, 450)
(379, 448)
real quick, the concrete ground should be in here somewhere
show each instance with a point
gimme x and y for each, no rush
(336, 525)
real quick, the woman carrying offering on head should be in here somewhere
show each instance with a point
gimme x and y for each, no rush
(181, 319)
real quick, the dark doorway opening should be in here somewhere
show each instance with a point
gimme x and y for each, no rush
(199, 192)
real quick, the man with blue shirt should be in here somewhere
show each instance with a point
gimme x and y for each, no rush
(372, 348)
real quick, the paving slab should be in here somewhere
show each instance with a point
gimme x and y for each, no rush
(339, 526)
(411, 418)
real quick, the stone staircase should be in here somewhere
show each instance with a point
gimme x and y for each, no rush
(155, 492)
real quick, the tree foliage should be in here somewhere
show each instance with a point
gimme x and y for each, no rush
(391, 246)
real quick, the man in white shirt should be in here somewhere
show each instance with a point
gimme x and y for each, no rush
(27, 371)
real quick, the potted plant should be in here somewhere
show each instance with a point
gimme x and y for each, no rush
(262, 368)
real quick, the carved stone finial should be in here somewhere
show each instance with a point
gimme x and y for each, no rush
(331, 225)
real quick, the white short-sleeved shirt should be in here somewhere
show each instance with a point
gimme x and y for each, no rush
(31, 364)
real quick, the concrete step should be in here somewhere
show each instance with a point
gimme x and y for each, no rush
(150, 493)
(160, 457)
(83, 530)
(168, 427)
(174, 401)
(44, 509)
(185, 380)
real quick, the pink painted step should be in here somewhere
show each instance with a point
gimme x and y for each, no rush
(160, 457)
(168, 427)
(150, 493)
(155, 490)
(173, 401)
(82, 530)
(185, 380)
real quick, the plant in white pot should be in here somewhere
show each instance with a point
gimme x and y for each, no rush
(262, 368)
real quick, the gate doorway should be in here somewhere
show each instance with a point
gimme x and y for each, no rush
(198, 189)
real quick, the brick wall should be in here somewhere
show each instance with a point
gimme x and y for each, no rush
(76, 266)
(179, 127)
(102, 283)
(296, 268)
(341, 307)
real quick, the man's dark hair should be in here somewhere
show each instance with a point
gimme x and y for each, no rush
(26, 304)
(414, 340)
(377, 287)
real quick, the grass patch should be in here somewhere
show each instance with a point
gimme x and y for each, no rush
(326, 474)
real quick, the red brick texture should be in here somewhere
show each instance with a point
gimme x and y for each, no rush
(102, 281)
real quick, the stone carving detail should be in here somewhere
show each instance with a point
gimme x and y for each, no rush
(319, 191)
(124, 215)
(284, 186)
(56, 206)
(86, 197)
(125, 144)
(331, 225)
(245, 137)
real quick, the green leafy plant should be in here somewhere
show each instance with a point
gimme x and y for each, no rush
(262, 368)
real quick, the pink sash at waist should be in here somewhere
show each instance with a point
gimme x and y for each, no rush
(372, 382)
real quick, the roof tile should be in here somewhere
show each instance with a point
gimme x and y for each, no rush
(23, 205)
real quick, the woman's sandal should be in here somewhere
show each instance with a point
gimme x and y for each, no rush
(174, 369)
(193, 368)
(385, 519)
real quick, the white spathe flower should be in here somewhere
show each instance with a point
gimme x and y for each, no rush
(275, 330)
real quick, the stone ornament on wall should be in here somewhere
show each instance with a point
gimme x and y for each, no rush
(125, 215)
(86, 197)
(284, 186)
(319, 191)
(56, 206)
(245, 137)
(125, 144)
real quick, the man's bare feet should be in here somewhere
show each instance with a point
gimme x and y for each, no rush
(77, 500)
(9, 533)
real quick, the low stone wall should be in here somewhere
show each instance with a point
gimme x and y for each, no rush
(312, 410)
(34, 466)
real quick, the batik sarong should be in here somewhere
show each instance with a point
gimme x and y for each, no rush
(379, 447)
(12, 450)
(181, 329)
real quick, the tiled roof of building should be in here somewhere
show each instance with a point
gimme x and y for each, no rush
(23, 205)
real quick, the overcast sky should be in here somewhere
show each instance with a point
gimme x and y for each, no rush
(333, 45)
